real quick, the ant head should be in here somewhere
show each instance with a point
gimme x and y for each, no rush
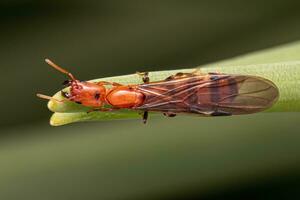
(85, 93)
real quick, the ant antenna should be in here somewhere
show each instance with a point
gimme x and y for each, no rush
(52, 64)
(42, 96)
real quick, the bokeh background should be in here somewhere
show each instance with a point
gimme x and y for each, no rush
(247, 157)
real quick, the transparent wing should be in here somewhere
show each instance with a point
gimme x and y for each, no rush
(235, 94)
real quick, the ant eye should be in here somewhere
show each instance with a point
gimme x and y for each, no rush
(97, 96)
(65, 94)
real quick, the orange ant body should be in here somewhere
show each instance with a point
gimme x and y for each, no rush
(96, 95)
(212, 94)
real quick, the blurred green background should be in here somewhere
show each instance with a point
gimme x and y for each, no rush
(245, 157)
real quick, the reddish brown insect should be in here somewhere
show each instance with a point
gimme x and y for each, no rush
(212, 94)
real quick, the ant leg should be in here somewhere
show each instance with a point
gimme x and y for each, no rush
(108, 109)
(197, 110)
(184, 75)
(145, 76)
(198, 72)
(220, 113)
(102, 109)
(169, 114)
(116, 84)
(214, 113)
(145, 117)
(215, 73)
(108, 83)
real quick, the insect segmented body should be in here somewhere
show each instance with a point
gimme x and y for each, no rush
(212, 94)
